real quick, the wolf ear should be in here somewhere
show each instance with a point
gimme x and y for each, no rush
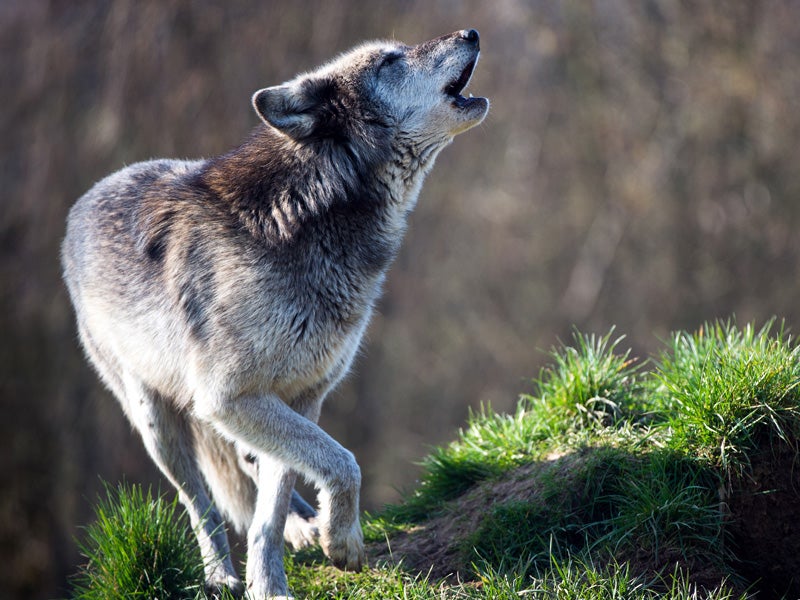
(288, 108)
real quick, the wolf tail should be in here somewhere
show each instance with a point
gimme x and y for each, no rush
(233, 490)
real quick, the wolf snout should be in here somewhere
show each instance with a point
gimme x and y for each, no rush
(471, 36)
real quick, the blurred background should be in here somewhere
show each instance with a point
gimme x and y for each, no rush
(639, 168)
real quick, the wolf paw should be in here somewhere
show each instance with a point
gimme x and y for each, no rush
(261, 592)
(300, 533)
(216, 587)
(346, 552)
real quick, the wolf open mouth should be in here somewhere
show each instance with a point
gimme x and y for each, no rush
(455, 88)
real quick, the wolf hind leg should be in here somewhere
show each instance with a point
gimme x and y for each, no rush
(265, 575)
(229, 478)
(167, 436)
(301, 530)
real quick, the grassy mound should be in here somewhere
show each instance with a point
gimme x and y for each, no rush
(687, 465)
(673, 478)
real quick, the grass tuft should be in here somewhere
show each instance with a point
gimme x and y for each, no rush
(588, 385)
(139, 546)
(725, 391)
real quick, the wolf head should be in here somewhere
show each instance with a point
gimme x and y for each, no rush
(382, 94)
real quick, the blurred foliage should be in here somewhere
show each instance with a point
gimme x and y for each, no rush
(638, 168)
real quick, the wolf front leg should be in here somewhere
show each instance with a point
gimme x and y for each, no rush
(288, 442)
(265, 576)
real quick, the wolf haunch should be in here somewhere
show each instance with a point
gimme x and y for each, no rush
(220, 300)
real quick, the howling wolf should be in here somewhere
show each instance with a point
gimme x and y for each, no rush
(220, 300)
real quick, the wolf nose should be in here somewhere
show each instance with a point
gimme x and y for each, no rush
(471, 35)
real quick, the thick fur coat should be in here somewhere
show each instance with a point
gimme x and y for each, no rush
(220, 300)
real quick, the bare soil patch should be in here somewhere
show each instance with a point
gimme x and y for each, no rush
(436, 547)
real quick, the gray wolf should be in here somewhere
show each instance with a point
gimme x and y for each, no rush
(220, 300)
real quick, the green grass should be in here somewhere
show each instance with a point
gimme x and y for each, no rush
(570, 578)
(139, 546)
(576, 578)
(724, 391)
(627, 465)
(587, 385)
